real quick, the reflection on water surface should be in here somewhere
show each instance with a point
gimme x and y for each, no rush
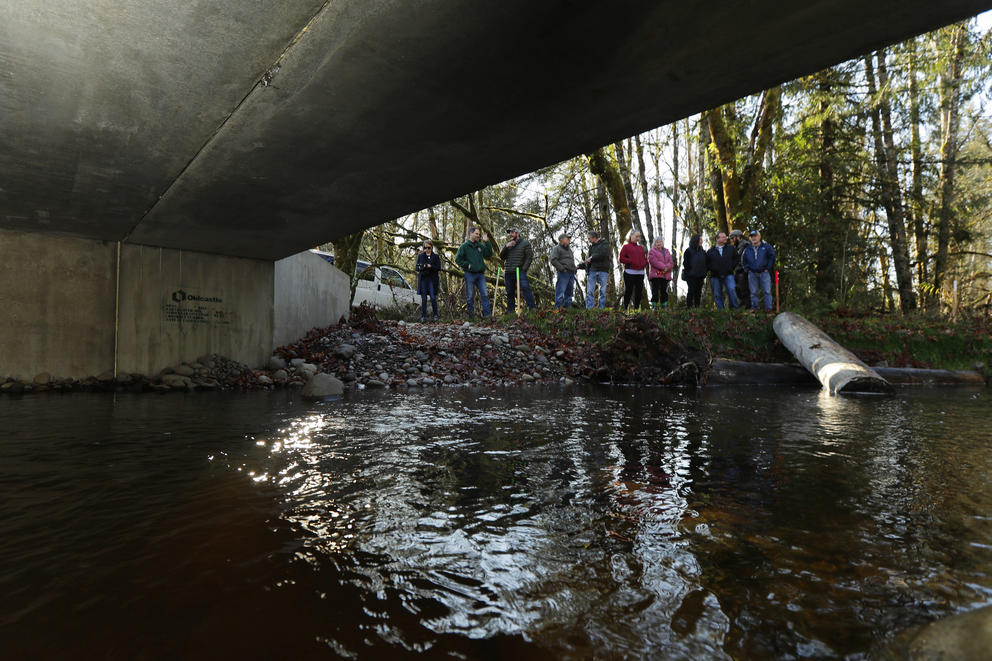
(723, 523)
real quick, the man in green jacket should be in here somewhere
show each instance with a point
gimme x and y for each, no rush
(517, 253)
(471, 258)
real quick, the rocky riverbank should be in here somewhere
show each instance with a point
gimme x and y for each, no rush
(367, 352)
(370, 353)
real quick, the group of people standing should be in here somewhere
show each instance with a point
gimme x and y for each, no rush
(738, 269)
(728, 263)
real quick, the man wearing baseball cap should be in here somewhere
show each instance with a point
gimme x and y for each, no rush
(563, 262)
(517, 254)
(736, 239)
(759, 261)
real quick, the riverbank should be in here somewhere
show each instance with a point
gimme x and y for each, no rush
(673, 347)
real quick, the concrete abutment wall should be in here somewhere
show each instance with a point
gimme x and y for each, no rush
(63, 313)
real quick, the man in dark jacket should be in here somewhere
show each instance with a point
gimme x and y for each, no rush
(517, 255)
(563, 262)
(598, 263)
(720, 260)
(759, 262)
(736, 240)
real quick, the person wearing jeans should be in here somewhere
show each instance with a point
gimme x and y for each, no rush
(517, 255)
(759, 262)
(720, 260)
(471, 258)
(598, 263)
(563, 262)
(428, 267)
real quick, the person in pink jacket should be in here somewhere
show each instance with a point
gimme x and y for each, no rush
(660, 265)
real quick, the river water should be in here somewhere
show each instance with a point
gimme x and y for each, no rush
(723, 523)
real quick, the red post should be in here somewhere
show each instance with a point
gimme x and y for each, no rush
(776, 291)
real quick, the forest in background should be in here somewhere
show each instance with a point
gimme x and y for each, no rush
(872, 179)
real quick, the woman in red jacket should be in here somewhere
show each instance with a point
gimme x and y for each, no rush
(634, 260)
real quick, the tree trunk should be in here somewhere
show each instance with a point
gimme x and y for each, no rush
(950, 99)
(839, 370)
(740, 185)
(716, 190)
(642, 179)
(601, 165)
(886, 159)
(916, 195)
(623, 168)
(676, 207)
(346, 251)
(725, 168)
(828, 248)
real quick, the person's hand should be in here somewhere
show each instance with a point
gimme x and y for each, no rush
(510, 244)
(485, 237)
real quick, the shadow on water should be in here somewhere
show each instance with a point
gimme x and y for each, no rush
(722, 523)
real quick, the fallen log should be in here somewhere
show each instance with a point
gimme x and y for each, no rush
(739, 373)
(725, 372)
(839, 370)
(911, 376)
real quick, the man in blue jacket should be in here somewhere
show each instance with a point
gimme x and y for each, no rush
(759, 262)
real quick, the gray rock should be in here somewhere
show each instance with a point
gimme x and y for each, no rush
(43, 378)
(412, 370)
(428, 381)
(467, 325)
(108, 376)
(450, 379)
(384, 376)
(346, 351)
(957, 637)
(322, 385)
(308, 368)
(559, 354)
(527, 377)
(297, 362)
(264, 380)
(280, 375)
(185, 370)
(276, 363)
(412, 382)
(421, 356)
(123, 378)
(176, 381)
(373, 383)
(206, 384)
(348, 377)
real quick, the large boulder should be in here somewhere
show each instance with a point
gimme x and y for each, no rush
(322, 385)
(960, 637)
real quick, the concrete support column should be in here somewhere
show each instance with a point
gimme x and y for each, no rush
(63, 313)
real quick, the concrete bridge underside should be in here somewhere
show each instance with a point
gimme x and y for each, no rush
(259, 129)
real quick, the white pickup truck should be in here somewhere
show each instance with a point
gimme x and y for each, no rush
(379, 286)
